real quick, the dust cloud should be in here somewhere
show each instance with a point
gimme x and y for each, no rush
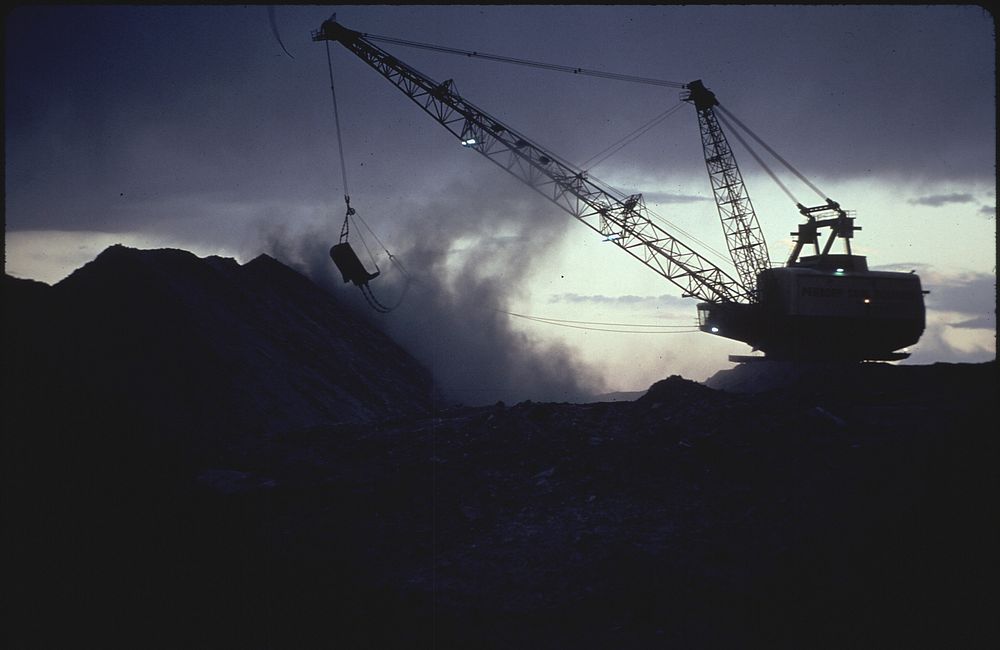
(469, 252)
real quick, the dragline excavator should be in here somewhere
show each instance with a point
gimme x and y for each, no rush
(819, 306)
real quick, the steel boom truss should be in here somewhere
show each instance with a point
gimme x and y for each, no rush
(620, 218)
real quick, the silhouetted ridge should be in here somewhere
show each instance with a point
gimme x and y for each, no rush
(205, 344)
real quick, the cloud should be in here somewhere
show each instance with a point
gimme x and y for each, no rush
(935, 347)
(937, 200)
(965, 293)
(162, 132)
(626, 300)
(961, 318)
(670, 197)
(979, 322)
(943, 342)
(106, 121)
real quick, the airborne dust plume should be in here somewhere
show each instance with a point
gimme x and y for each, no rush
(467, 255)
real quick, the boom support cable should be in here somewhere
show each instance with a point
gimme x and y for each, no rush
(605, 75)
(535, 64)
(774, 153)
(621, 219)
(614, 148)
(760, 162)
(609, 151)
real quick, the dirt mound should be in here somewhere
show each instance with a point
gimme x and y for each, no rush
(833, 508)
(183, 343)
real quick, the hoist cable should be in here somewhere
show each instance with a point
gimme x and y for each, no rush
(760, 162)
(345, 230)
(774, 153)
(534, 64)
(343, 167)
(336, 119)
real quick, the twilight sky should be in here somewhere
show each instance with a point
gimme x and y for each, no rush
(190, 127)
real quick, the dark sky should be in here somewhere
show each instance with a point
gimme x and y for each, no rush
(192, 125)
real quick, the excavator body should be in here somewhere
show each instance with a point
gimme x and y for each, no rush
(827, 307)
(824, 306)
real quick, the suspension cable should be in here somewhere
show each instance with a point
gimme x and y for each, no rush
(614, 148)
(534, 64)
(619, 77)
(652, 215)
(573, 70)
(774, 153)
(760, 162)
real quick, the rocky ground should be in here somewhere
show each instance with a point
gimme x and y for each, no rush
(690, 518)
(801, 507)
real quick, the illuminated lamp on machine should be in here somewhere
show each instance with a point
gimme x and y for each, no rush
(714, 330)
(468, 142)
(839, 272)
(612, 237)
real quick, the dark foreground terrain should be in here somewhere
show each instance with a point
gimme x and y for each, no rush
(852, 507)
